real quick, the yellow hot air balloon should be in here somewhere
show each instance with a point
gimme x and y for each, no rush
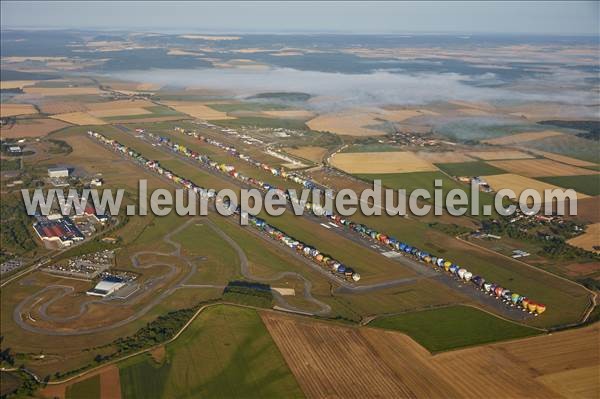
(532, 306)
(540, 308)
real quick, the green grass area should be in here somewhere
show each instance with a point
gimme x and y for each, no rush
(226, 352)
(477, 168)
(88, 389)
(453, 327)
(263, 122)
(156, 112)
(587, 184)
(219, 264)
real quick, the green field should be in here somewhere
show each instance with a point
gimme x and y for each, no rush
(88, 389)
(263, 122)
(477, 168)
(453, 327)
(226, 352)
(157, 112)
(587, 184)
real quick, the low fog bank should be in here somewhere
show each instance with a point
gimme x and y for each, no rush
(341, 91)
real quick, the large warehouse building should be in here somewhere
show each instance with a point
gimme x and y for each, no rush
(106, 286)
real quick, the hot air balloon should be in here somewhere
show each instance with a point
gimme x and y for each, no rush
(515, 298)
(540, 308)
(532, 307)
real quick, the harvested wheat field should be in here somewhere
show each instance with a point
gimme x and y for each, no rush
(444, 157)
(564, 159)
(61, 107)
(31, 128)
(107, 113)
(198, 110)
(519, 183)
(391, 364)
(79, 118)
(118, 104)
(16, 109)
(522, 137)
(400, 115)
(347, 123)
(314, 154)
(541, 168)
(290, 114)
(62, 91)
(16, 84)
(381, 162)
(500, 154)
(589, 239)
(332, 361)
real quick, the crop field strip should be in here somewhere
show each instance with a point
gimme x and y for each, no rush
(522, 137)
(34, 127)
(8, 109)
(540, 168)
(496, 155)
(590, 240)
(388, 162)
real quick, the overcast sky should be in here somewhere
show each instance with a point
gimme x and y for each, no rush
(536, 17)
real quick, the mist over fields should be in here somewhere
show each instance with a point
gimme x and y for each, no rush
(340, 90)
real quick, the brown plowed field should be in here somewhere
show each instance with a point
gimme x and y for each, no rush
(110, 383)
(330, 360)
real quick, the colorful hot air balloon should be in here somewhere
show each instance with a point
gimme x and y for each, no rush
(515, 298)
(498, 291)
(525, 303)
(540, 308)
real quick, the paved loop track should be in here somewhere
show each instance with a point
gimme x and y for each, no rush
(181, 283)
